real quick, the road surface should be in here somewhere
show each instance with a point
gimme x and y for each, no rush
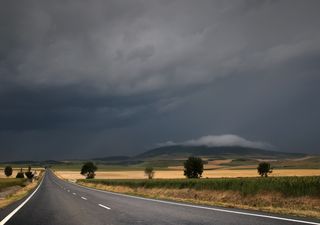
(57, 202)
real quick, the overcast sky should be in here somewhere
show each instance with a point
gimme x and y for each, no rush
(81, 79)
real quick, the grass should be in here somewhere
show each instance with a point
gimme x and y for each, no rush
(287, 186)
(9, 182)
(309, 163)
(241, 162)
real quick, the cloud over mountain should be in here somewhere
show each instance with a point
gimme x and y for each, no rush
(220, 140)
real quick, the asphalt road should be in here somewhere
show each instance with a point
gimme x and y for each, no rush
(57, 202)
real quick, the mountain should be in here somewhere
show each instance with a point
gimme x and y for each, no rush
(223, 151)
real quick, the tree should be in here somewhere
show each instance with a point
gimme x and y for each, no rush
(149, 171)
(29, 174)
(20, 174)
(193, 167)
(88, 169)
(264, 169)
(8, 171)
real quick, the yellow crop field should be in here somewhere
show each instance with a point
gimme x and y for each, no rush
(179, 173)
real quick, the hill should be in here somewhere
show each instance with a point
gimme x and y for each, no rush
(168, 157)
(113, 158)
(216, 152)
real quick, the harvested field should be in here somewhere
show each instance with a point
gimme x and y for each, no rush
(171, 174)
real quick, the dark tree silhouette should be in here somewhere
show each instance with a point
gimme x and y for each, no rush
(264, 169)
(29, 174)
(88, 170)
(193, 167)
(149, 171)
(8, 171)
(20, 174)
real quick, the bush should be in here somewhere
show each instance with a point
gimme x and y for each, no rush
(264, 169)
(20, 174)
(9, 182)
(8, 171)
(29, 174)
(88, 170)
(193, 167)
(149, 171)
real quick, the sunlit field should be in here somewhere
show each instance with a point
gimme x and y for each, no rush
(171, 174)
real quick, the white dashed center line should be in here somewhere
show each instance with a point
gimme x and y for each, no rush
(103, 206)
(84, 198)
(74, 193)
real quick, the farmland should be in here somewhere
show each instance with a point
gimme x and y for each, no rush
(174, 174)
(176, 163)
(213, 168)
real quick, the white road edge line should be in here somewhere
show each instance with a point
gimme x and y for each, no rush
(84, 198)
(204, 207)
(103, 206)
(21, 205)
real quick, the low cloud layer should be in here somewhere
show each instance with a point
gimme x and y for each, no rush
(219, 141)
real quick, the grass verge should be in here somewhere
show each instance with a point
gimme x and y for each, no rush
(9, 182)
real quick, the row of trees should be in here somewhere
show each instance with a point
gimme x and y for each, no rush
(89, 168)
(29, 174)
(193, 168)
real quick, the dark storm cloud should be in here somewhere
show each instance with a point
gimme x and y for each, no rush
(127, 74)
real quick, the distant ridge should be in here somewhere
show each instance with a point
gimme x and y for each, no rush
(113, 158)
(205, 151)
(178, 152)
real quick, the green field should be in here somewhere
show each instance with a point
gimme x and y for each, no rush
(9, 182)
(288, 186)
